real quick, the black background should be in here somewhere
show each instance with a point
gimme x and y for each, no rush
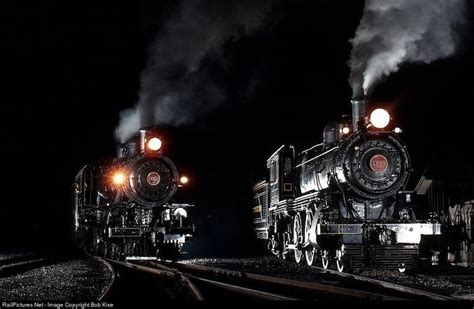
(68, 69)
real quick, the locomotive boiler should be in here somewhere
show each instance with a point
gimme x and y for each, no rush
(343, 200)
(123, 206)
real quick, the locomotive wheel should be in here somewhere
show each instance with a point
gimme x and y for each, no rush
(340, 265)
(286, 253)
(273, 246)
(298, 237)
(310, 251)
(325, 259)
(340, 260)
(401, 268)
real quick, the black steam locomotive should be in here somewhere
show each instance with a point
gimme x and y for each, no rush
(122, 206)
(343, 200)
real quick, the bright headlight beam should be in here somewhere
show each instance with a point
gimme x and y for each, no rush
(119, 178)
(379, 118)
(154, 144)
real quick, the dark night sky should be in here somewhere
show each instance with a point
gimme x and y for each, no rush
(68, 69)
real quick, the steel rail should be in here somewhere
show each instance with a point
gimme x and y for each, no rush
(18, 267)
(191, 284)
(163, 270)
(160, 272)
(304, 285)
(230, 287)
(106, 292)
(389, 285)
(18, 258)
(245, 291)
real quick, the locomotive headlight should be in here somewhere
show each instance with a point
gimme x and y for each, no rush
(380, 118)
(118, 179)
(184, 180)
(180, 212)
(154, 144)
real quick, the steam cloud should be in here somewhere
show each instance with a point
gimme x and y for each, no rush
(392, 32)
(175, 87)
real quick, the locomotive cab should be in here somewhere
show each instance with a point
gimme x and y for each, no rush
(280, 167)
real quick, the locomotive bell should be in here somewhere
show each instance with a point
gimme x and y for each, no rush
(359, 111)
(330, 133)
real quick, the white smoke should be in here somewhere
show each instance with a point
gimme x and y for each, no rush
(392, 32)
(175, 87)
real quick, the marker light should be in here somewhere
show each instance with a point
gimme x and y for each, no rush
(184, 180)
(345, 130)
(397, 130)
(119, 178)
(379, 118)
(154, 144)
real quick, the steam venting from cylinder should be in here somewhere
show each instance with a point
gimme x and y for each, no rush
(392, 32)
(176, 86)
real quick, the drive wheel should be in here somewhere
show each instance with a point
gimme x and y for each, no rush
(340, 259)
(325, 259)
(310, 251)
(340, 265)
(298, 237)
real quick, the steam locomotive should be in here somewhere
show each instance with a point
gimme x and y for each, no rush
(122, 208)
(343, 200)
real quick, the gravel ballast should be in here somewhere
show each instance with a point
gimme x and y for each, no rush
(69, 280)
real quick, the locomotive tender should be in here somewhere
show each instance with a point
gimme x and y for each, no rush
(343, 200)
(122, 208)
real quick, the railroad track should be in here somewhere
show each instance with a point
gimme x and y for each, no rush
(409, 291)
(196, 284)
(337, 286)
(205, 283)
(233, 288)
(19, 264)
(106, 292)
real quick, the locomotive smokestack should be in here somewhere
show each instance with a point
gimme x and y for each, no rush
(121, 150)
(359, 111)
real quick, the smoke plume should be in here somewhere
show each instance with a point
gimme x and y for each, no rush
(392, 32)
(175, 86)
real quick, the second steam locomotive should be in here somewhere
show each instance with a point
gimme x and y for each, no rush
(122, 207)
(343, 200)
